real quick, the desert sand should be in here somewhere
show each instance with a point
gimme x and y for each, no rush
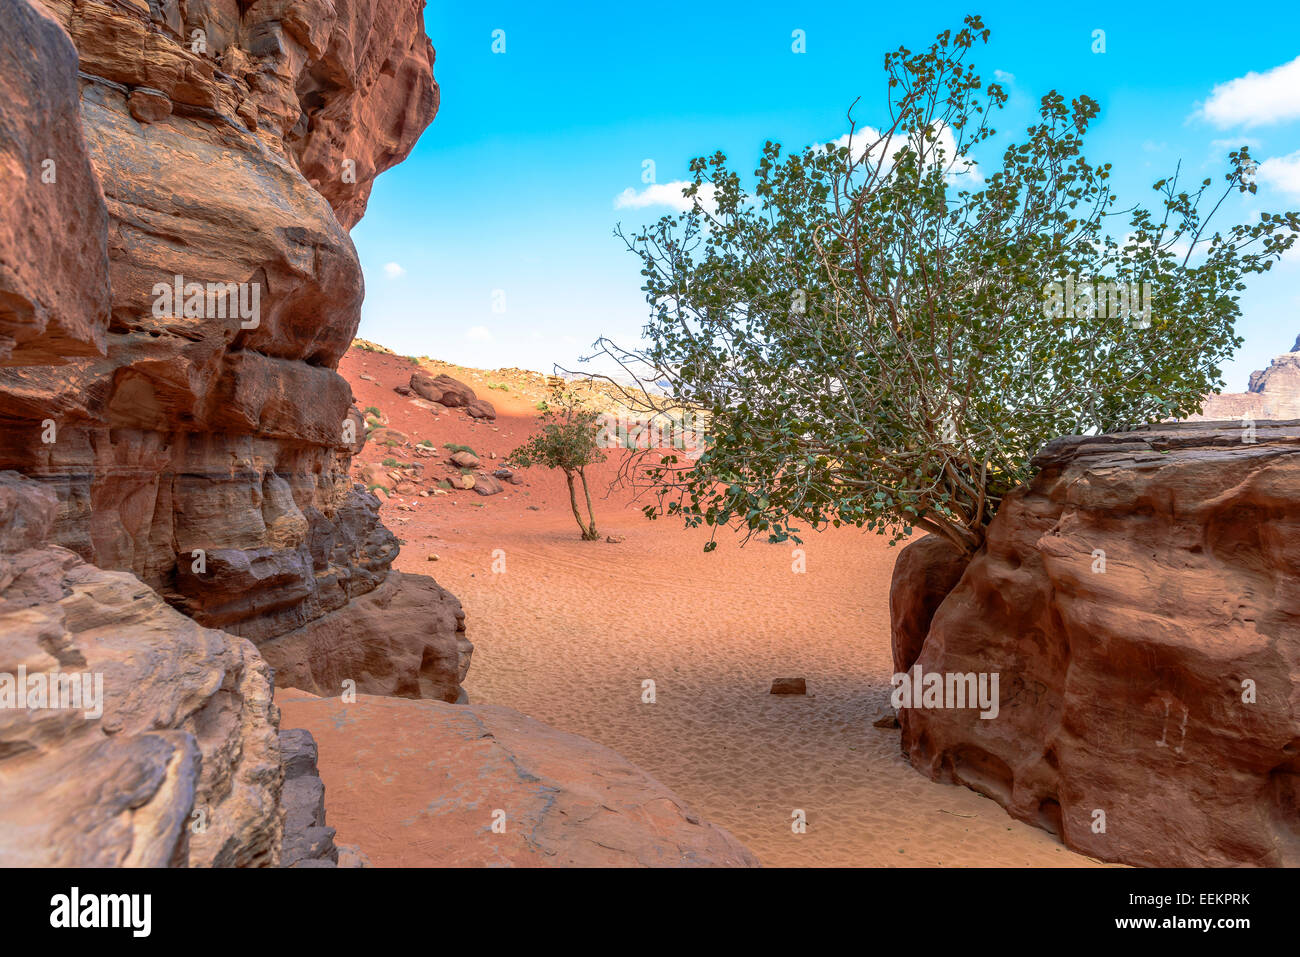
(567, 631)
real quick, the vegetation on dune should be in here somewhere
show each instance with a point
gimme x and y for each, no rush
(568, 440)
(882, 334)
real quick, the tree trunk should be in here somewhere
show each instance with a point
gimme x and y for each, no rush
(587, 534)
(591, 518)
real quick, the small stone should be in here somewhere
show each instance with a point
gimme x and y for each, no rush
(149, 106)
(433, 558)
(888, 721)
(789, 686)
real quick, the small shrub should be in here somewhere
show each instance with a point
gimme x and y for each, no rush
(568, 441)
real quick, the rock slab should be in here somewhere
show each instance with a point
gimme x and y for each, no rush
(453, 773)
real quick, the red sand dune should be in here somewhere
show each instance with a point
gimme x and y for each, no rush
(570, 630)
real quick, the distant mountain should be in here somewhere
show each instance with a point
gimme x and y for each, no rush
(1273, 393)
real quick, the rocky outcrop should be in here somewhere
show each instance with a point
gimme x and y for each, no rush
(483, 785)
(1140, 602)
(176, 288)
(129, 735)
(451, 393)
(53, 282)
(405, 638)
(173, 306)
(1273, 393)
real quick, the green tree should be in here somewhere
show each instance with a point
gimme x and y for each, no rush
(878, 331)
(569, 440)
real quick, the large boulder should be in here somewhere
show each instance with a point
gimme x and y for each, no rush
(483, 785)
(1140, 603)
(404, 638)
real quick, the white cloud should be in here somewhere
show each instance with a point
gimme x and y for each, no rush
(1281, 173)
(478, 334)
(665, 194)
(1003, 77)
(1235, 143)
(1256, 98)
(862, 147)
(394, 270)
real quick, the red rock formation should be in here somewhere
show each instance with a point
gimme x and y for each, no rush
(206, 446)
(926, 571)
(1140, 601)
(53, 282)
(564, 801)
(159, 437)
(452, 393)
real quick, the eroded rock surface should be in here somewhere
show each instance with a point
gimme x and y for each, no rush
(202, 288)
(192, 441)
(449, 772)
(172, 761)
(1140, 601)
(405, 638)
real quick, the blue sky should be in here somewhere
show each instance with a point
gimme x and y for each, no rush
(509, 200)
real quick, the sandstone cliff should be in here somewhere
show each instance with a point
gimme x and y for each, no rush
(174, 761)
(202, 441)
(1140, 601)
(1273, 393)
(195, 455)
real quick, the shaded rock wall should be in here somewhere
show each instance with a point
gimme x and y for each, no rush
(176, 764)
(1140, 601)
(202, 441)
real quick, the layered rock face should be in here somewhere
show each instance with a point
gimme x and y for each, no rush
(53, 283)
(129, 735)
(1140, 602)
(1273, 393)
(196, 449)
(175, 385)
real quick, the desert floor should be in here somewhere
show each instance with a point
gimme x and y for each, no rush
(567, 631)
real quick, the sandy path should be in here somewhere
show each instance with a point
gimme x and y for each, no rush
(569, 630)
